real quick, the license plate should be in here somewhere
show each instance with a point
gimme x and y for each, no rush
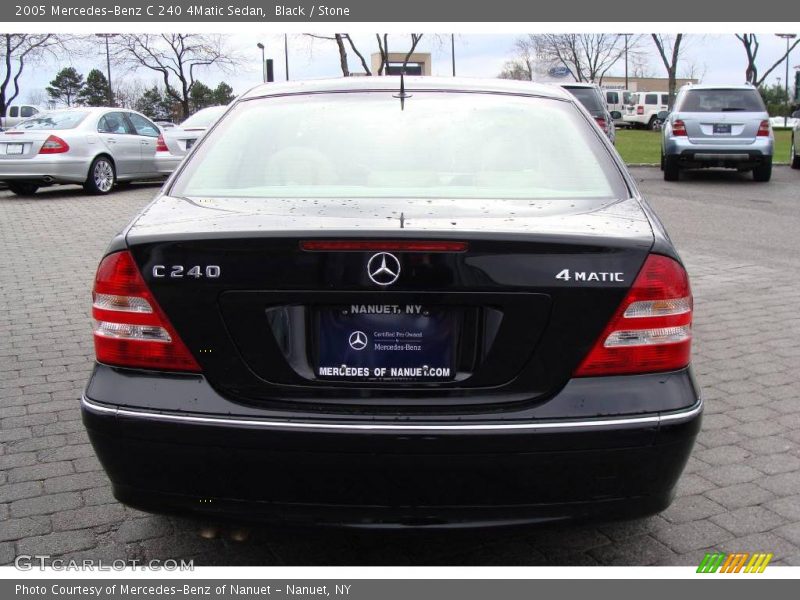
(15, 148)
(386, 343)
(722, 128)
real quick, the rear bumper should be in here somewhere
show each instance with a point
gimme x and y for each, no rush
(722, 155)
(49, 171)
(166, 163)
(314, 471)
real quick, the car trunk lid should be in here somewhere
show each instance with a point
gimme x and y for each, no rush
(268, 306)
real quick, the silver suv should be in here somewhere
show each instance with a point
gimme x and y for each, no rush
(717, 126)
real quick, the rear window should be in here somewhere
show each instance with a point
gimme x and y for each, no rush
(588, 97)
(67, 119)
(722, 101)
(365, 145)
(205, 117)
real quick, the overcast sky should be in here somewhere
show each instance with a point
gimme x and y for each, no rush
(720, 57)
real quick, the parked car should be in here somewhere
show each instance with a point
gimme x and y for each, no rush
(174, 143)
(165, 124)
(18, 113)
(644, 108)
(616, 101)
(591, 97)
(794, 156)
(718, 126)
(356, 305)
(93, 147)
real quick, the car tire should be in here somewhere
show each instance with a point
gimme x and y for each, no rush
(662, 160)
(23, 188)
(102, 176)
(651, 124)
(763, 172)
(672, 171)
(794, 159)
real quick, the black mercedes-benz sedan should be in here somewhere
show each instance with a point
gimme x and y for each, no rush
(383, 303)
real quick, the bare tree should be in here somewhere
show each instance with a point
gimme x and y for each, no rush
(751, 46)
(36, 96)
(128, 90)
(177, 57)
(345, 41)
(669, 49)
(588, 56)
(19, 50)
(640, 65)
(522, 66)
(694, 70)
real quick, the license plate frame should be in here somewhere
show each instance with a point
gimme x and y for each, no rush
(722, 129)
(19, 148)
(395, 343)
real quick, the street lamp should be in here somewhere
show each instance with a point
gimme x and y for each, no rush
(453, 52)
(626, 36)
(106, 36)
(787, 37)
(263, 63)
(286, 53)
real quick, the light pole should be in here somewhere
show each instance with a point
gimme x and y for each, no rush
(286, 53)
(787, 37)
(106, 36)
(626, 36)
(453, 52)
(263, 63)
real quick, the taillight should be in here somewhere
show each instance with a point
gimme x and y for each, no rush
(679, 128)
(640, 110)
(601, 122)
(651, 330)
(130, 329)
(54, 145)
(161, 145)
(763, 129)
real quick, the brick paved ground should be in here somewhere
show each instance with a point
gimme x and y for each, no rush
(740, 492)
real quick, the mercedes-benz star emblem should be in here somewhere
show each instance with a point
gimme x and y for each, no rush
(357, 340)
(383, 268)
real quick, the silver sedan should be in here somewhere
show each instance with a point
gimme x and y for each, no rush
(175, 142)
(93, 147)
(794, 157)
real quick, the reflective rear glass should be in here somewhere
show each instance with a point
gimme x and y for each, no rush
(432, 145)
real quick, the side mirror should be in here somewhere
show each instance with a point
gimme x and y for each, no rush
(615, 114)
(663, 115)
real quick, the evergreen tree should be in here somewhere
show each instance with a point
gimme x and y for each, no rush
(200, 96)
(96, 91)
(223, 94)
(154, 104)
(65, 87)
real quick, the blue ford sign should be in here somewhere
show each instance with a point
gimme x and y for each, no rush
(559, 71)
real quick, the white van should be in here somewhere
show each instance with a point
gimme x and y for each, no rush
(644, 107)
(617, 100)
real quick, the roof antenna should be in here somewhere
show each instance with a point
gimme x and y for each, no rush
(402, 95)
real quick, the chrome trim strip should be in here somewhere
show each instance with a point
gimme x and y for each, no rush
(591, 424)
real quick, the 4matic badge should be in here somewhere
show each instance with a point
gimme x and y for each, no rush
(568, 275)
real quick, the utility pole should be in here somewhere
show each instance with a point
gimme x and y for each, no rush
(453, 52)
(788, 37)
(286, 53)
(106, 36)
